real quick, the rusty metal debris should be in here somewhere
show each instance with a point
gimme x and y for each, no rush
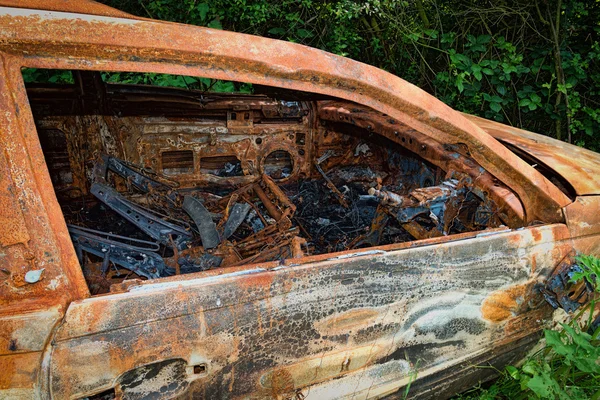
(195, 243)
(241, 179)
(263, 217)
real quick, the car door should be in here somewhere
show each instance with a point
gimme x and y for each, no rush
(361, 324)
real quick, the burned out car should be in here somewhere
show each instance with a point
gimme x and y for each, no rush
(335, 233)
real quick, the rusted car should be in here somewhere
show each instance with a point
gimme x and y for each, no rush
(337, 233)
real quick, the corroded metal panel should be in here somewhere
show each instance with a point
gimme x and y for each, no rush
(583, 220)
(579, 166)
(37, 276)
(346, 325)
(79, 6)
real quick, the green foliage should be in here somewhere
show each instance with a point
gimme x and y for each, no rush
(31, 75)
(532, 64)
(590, 271)
(568, 367)
(177, 81)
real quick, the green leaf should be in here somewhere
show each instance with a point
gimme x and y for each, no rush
(513, 371)
(413, 36)
(215, 24)
(495, 107)
(448, 37)
(223, 87)
(205, 82)
(542, 385)
(508, 68)
(303, 33)
(478, 47)
(202, 10)
(483, 39)
(460, 59)
(487, 71)
(554, 341)
(459, 85)
(432, 33)
(524, 102)
(529, 367)
(276, 31)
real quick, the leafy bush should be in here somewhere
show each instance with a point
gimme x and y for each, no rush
(532, 64)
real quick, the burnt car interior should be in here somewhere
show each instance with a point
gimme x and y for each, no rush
(158, 181)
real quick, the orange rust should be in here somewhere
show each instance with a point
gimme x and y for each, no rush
(537, 236)
(501, 305)
(347, 321)
(79, 6)
(19, 370)
(575, 164)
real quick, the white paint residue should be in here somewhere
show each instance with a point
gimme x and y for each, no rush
(34, 275)
(191, 282)
(165, 376)
(53, 284)
(358, 254)
(56, 15)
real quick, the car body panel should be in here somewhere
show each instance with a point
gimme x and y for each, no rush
(87, 7)
(577, 165)
(583, 220)
(265, 330)
(366, 320)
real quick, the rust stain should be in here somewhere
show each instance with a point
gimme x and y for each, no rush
(504, 304)
(344, 322)
(573, 163)
(321, 368)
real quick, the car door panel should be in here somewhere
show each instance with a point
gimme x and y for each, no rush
(365, 323)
